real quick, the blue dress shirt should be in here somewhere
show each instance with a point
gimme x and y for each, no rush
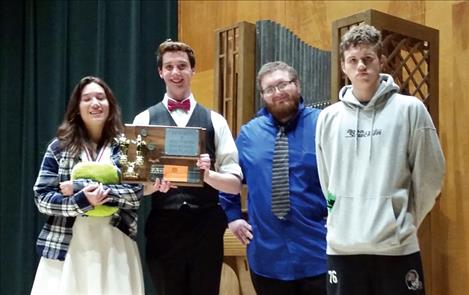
(288, 249)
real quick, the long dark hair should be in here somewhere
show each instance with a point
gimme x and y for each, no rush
(73, 134)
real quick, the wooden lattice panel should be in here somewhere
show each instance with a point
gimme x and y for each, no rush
(407, 61)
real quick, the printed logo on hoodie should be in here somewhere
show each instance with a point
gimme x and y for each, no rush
(363, 133)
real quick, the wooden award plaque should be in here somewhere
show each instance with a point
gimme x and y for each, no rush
(165, 152)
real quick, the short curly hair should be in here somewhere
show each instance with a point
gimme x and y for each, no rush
(361, 34)
(173, 46)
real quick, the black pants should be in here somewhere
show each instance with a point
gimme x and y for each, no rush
(184, 250)
(375, 275)
(306, 286)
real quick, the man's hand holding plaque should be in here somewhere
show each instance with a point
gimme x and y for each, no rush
(204, 163)
(160, 185)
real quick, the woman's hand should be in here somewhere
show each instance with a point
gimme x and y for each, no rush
(66, 188)
(96, 194)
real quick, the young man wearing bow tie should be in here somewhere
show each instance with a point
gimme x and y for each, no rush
(185, 228)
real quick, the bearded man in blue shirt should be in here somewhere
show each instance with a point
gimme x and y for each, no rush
(286, 239)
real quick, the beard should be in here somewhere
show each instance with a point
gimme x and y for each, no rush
(285, 110)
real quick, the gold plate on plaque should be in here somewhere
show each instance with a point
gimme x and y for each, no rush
(154, 151)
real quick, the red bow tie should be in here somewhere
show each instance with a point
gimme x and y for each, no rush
(174, 105)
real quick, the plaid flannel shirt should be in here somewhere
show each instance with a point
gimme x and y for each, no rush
(55, 237)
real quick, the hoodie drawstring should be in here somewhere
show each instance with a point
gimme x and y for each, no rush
(370, 147)
(371, 134)
(357, 112)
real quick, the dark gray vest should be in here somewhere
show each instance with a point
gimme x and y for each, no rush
(201, 197)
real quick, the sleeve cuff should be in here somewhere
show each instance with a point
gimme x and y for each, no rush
(231, 204)
(233, 215)
(82, 202)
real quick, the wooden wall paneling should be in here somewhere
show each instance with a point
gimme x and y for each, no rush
(451, 250)
(308, 20)
(202, 87)
(461, 82)
(438, 15)
(199, 19)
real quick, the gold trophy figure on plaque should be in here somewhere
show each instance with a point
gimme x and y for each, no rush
(123, 143)
(130, 169)
(139, 152)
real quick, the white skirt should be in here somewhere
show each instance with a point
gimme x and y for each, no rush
(101, 260)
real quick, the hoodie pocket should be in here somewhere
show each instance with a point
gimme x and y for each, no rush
(362, 225)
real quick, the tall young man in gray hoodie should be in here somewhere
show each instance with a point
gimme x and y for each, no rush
(381, 167)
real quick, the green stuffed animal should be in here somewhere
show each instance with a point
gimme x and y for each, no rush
(104, 173)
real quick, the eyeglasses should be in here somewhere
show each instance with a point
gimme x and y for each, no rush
(280, 87)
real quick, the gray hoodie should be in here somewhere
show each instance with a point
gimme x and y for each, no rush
(381, 167)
